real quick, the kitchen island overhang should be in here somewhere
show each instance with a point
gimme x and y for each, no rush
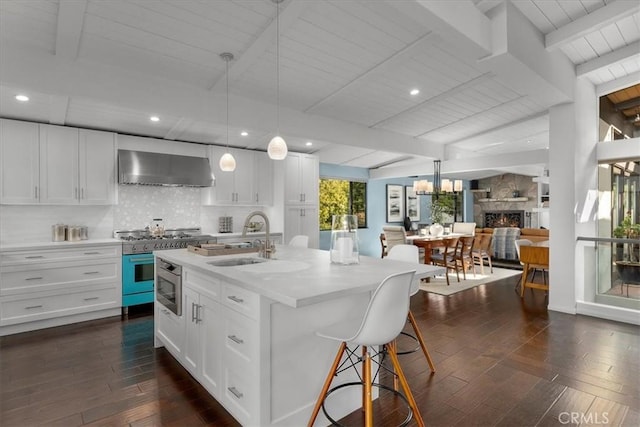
(267, 365)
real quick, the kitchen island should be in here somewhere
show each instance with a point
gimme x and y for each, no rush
(247, 332)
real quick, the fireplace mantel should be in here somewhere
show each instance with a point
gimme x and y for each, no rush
(508, 199)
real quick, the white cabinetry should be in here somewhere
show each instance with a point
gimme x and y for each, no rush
(170, 328)
(56, 165)
(251, 183)
(301, 197)
(220, 342)
(542, 207)
(20, 162)
(50, 287)
(301, 179)
(302, 220)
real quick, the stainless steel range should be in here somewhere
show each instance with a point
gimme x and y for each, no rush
(142, 241)
(137, 260)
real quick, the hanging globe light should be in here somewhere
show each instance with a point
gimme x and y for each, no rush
(277, 148)
(227, 162)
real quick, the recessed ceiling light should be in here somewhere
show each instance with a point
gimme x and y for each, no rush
(414, 92)
(22, 98)
(154, 118)
(308, 143)
(528, 141)
(244, 133)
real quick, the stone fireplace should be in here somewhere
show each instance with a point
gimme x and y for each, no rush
(504, 218)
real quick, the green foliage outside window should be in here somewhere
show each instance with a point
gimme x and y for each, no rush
(338, 196)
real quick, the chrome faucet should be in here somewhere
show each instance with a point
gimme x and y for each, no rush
(266, 248)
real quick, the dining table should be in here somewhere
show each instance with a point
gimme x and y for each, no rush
(429, 242)
(534, 257)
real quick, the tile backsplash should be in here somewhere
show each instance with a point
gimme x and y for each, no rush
(137, 206)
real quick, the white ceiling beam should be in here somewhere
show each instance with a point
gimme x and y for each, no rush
(590, 23)
(58, 107)
(69, 29)
(472, 164)
(609, 59)
(20, 66)
(385, 65)
(289, 14)
(617, 84)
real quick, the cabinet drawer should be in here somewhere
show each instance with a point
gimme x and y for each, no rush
(241, 300)
(240, 394)
(170, 330)
(16, 280)
(45, 306)
(209, 285)
(46, 255)
(240, 336)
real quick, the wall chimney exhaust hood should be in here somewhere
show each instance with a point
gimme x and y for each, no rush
(141, 167)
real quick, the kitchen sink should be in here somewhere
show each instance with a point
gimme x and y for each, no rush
(232, 262)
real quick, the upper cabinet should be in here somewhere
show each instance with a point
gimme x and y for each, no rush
(20, 162)
(60, 166)
(301, 179)
(250, 183)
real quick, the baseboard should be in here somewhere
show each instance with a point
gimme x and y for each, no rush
(601, 311)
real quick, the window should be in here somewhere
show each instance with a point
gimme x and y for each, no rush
(339, 196)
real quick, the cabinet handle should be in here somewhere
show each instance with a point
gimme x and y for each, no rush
(91, 298)
(235, 392)
(92, 253)
(31, 307)
(235, 339)
(236, 299)
(91, 272)
(82, 193)
(33, 278)
(301, 197)
(304, 197)
(198, 318)
(75, 193)
(34, 257)
(257, 198)
(36, 192)
(193, 312)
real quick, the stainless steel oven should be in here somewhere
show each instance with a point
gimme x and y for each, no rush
(169, 285)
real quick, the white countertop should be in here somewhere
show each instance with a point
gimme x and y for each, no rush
(23, 246)
(298, 276)
(249, 234)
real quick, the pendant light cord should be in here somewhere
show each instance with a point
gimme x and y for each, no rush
(227, 63)
(278, 67)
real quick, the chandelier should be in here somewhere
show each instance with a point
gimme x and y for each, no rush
(438, 185)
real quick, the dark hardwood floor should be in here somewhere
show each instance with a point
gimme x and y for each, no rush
(500, 362)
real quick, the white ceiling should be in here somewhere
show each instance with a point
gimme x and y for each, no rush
(483, 68)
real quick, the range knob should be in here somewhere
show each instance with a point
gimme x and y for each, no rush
(145, 248)
(134, 249)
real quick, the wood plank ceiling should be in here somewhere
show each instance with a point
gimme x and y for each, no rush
(349, 63)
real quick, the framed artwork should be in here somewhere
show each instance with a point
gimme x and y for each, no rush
(395, 203)
(412, 204)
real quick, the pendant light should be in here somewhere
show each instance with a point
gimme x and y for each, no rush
(277, 148)
(227, 162)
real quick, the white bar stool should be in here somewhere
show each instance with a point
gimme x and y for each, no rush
(383, 321)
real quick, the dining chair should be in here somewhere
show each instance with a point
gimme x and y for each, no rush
(394, 235)
(463, 255)
(300, 241)
(526, 242)
(447, 258)
(464, 228)
(383, 246)
(482, 250)
(383, 321)
(411, 254)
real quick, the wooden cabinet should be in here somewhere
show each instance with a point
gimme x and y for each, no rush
(20, 162)
(301, 179)
(50, 287)
(251, 183)
(302, 220)
(60, 165)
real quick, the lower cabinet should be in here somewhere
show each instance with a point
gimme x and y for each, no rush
(50, 287)
(216, 340)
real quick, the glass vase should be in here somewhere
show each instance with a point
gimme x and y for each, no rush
(344, 240)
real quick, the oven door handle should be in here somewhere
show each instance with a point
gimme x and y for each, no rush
(145, 258)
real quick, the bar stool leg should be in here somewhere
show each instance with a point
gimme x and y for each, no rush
(327, 384)
(368, 402)
(391, 347)
(414, 324)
